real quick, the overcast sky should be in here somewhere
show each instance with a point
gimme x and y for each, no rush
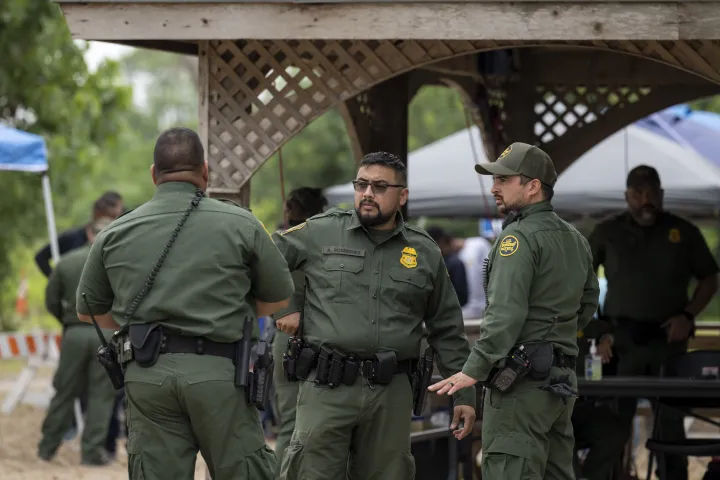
(101, 50)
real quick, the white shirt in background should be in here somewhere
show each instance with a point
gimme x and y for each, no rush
(473, 254)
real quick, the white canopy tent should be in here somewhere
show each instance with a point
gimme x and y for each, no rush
(442, 181)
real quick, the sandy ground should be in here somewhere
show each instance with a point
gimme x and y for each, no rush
(20, 433)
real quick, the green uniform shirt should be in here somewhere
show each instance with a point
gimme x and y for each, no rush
(370, 292)
(541, 287)
(62, 285)
(649, 269)
(222, 261)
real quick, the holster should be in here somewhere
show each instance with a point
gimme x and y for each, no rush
(420, 380)
(541, 356)
(146, 340)
(258, 391)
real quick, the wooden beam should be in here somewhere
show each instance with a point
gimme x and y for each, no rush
(419, 21)
(596, 67)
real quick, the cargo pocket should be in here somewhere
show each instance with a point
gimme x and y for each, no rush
(260, 465)
(292, 464)
(508, 457)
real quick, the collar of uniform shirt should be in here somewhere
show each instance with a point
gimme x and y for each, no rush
(399, 224)
(543, 206)
(174, 187)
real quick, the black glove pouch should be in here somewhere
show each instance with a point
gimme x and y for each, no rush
(146, 340)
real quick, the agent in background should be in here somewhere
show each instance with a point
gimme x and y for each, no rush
(109, 205)
(455, 266)
(301, 204)
(78, 367)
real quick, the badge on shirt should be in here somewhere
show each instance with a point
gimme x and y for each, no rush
(674, 235)
(508, 245)
(408, 259)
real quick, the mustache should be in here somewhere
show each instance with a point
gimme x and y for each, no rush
(369, 202)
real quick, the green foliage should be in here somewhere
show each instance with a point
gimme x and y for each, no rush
(45, 88)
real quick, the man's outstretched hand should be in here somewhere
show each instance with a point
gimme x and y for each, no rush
(452, 384)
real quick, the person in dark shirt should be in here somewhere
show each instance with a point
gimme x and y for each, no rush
(110, 204)
(455, 266)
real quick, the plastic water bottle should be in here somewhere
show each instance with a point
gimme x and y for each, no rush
(593, 363)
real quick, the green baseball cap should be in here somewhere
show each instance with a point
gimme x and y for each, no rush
(522, 159)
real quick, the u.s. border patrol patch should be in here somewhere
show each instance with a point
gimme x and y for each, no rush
(408, 259)
(508, 245)
(292, 229)
(674, 235)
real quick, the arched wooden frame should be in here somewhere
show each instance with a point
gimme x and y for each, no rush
(257, 94)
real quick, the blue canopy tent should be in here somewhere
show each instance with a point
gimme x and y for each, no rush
(694, 129)
(26, 152)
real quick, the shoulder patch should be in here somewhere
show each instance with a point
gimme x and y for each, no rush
(508, 245)
(292, 229)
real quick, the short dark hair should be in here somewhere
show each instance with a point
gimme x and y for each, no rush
(547, 191)
(389, 160)
(178, 149)
(643, 175)
(438, 234)
(107, 201)
(305, 202)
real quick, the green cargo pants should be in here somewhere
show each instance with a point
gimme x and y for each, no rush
(353, 432)
(185, 403)
(634, 360)
(598, 428)
(527, 433)
(79, 368)
(285, 397)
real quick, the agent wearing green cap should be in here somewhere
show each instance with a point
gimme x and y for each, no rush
(541, 290)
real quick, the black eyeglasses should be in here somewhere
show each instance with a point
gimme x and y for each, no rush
(377, 187)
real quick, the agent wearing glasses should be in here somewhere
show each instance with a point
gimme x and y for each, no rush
(372, 280)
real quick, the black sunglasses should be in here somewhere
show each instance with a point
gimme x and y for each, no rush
(377, 187)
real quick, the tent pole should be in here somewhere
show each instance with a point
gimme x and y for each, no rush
(50, 214)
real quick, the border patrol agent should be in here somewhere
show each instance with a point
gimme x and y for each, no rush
(371, 282)
(301, 203)
(650, 256)
(78, 368)
(541, 290)
(185, 325)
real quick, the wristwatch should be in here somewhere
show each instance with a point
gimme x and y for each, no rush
(689, 316)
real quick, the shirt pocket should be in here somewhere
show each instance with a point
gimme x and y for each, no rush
(406, 290)
(343, 276)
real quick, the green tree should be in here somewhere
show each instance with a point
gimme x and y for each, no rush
(45, 88)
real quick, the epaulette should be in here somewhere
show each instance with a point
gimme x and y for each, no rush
(292, 229)
(419, 230)
(126, 212)
(226, 200)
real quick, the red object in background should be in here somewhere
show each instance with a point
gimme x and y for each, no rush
(21, 301)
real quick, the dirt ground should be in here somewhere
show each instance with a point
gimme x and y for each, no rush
(20, 433)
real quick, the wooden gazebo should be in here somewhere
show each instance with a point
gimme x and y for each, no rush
(562, 74)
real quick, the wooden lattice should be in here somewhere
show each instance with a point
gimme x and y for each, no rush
(262, 93)
(560, 108)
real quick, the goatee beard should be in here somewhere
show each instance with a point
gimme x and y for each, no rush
(370, 221)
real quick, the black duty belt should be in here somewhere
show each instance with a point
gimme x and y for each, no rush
(563, 361)
(334, 367)
(174, 343)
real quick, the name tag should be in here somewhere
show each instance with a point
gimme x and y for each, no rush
(343, 251)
